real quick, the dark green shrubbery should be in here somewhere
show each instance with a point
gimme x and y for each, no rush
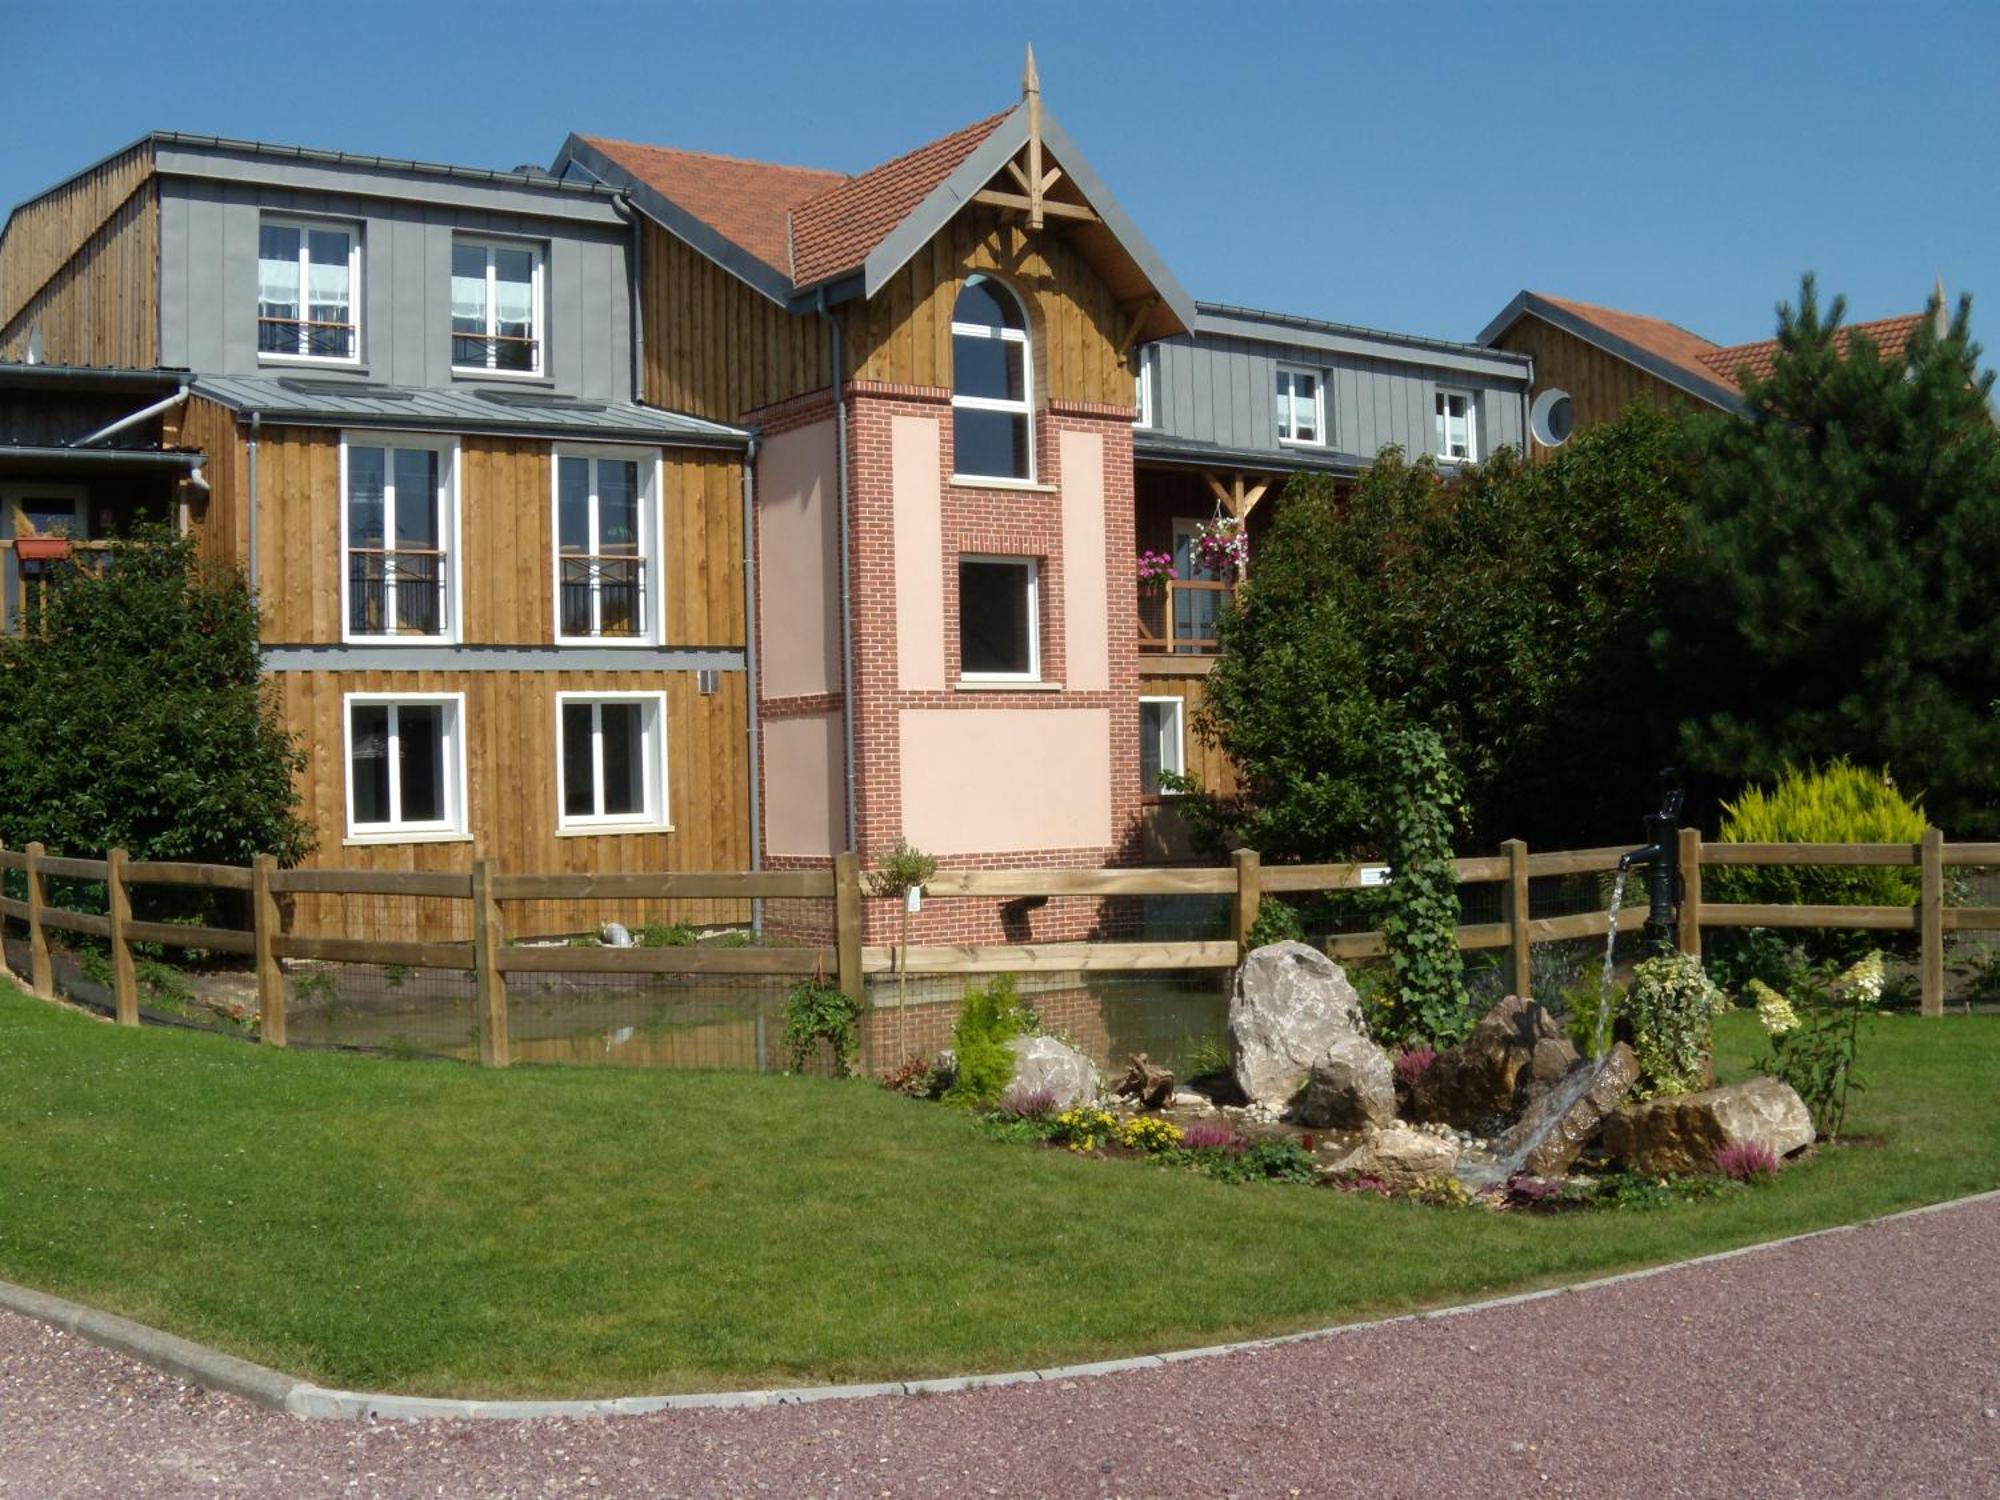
(136, 719)
(990, 1017)
(816, 1011)
(1424, 998)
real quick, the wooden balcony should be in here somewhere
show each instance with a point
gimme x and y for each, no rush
(1177, 616)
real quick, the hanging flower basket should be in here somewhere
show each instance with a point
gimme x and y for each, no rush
(1220, 547)
(41, 548)
(1155, 568)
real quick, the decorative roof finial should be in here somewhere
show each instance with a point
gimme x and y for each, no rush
(1031, 82)
(1941, 319)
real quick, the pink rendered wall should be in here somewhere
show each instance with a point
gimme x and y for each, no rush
(917, 492)
(1006, 778)
(1086, 614)
(802, 792)
(797, 561)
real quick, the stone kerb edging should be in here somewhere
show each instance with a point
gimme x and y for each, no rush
(281, 1392)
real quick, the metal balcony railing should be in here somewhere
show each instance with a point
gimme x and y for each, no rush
(498, 351)
(302, 336)
(602, 594)
(395, 591)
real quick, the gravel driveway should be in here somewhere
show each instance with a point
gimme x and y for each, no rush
(1862, 1364)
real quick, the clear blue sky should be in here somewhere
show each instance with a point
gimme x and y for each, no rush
(1406, 167)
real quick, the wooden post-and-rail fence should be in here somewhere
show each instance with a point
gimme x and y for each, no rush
(490, 956)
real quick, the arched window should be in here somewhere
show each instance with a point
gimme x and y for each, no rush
(992, 383)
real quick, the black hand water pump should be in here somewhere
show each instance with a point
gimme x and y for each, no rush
(1661, 857)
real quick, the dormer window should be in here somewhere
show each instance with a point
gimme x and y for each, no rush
(308, 291)
(991, 384)
(1457, 426)
(1301, 406)
(496, 307)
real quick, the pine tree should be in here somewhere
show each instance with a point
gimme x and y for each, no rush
(1837, 596)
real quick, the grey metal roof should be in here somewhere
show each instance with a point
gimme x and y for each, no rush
(1251, 322)
(532, 176)
(1157, 447)
(302, 401)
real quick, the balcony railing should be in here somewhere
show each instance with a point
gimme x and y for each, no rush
(499, 351)
(1177, 616)
(300, 336)
(396, 591)
(603, 595)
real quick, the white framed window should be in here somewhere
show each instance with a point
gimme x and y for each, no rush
(1457, 426)
(496, 307)
(308, 291)
(1160, 742)
(607, 503)
(1552, 417)
(405, 766)
(1301, 406)
(611, 762)
(992, 383)
(999, 619)
(1142, 390)
(399, 571)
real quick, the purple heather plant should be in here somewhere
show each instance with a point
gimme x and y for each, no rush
(1746, 1161)
(1364, 1182)
(1028, 1104)
(1412, 1063)
(1211, 1135)
(1526, 1191)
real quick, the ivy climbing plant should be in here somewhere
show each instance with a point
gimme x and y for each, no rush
(1422, 806)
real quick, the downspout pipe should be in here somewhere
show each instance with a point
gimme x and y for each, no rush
(145, 413)
(754, 724)
(846, 569)
(256, 423)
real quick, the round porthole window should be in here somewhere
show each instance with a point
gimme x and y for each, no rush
(1553, 417)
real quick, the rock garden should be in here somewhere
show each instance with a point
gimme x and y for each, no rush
(1616, 1105)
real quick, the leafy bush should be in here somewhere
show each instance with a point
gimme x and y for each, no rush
(1746, 1161)
(1277, 922)
(1670, 1011)
(1838, 803)
(1443, 1192)
(900, 868)
(1637, 1190)
(914, 1077)
(668, 935)
(989, 1018)
(138, 717)
(1267, 1161)
(1420, 802)
(1584, 1004)
(816, 1011)
(1815, 1040)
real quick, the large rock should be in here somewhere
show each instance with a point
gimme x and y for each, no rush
(1683, 1132)
(1351, 1085)
(1566, 1117)
(1291, 1003)
(1398, 1157)
(1516, 1052)
(1042, 1062)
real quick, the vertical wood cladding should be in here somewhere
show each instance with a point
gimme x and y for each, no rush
(506, 568)
(82, 263)
(902, 336)
(510, 734)
(715, 347)
(1600, 385)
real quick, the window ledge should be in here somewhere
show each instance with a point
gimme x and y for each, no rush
(313, 362)
(1003, 685)
(986, 482)
(612, 830)
(1285, 442)
(468, 374)
(396, 837)
(413, 641)
(619, 642)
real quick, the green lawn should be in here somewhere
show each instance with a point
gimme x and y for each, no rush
(430, 1227)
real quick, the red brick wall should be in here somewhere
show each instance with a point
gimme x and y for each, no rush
(1024, 522)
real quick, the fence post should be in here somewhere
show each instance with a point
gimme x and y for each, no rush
(1520, 948)
(489, 984)
(124, 977)
(1689, 926)
(270, 973)
(1249, 896)
(41, 973)
(1930, 921)
(847, 923)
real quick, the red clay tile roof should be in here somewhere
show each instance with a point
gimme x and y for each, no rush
(747, 202)
(1714, 363)
(1669, 341)
(1891, 335)
(833, 234)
